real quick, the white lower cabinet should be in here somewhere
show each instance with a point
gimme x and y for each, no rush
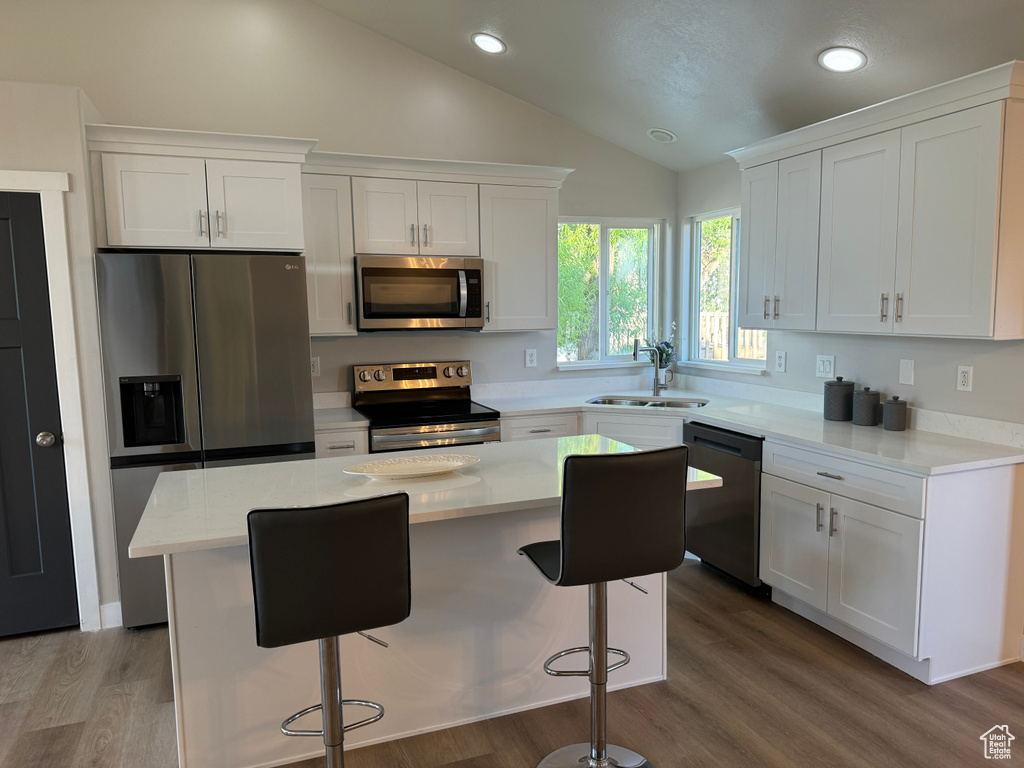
(341, 442)
(538, 427)
(794, 541)
(644, 432)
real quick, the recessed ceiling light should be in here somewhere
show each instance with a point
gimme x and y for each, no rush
(842, 59)
(661, 135)
(488, 43)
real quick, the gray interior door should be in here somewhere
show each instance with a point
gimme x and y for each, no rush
(37, 574)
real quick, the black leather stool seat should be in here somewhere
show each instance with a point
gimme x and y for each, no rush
(547, 556)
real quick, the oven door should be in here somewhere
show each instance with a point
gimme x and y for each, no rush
(396, 292)
(434, 436)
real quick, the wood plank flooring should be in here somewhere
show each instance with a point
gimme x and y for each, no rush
(750, 684)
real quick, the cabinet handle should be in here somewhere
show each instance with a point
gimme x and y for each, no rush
(348, 310)
(881, 308)
(350, 445)
(538, 431)
(199, 216)
(222, 224)
(776, 308)
(832, 530)
(425, 243)
(818, 525)
(487, 315)
(412, 234)
(765, 307)
(899, 307)
(830, 476)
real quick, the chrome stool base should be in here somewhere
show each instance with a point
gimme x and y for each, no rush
(578, 756)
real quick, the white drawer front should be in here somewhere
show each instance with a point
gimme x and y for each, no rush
(347, 442)
(882, 487)
(537, 427)
(645, 432)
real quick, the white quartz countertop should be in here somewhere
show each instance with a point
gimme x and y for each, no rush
(913, 451)
(338, 418)
(206, 508)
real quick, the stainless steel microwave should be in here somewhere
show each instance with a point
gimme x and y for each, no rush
(395, 292)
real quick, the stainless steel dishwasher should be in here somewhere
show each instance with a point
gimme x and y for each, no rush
(723, 524)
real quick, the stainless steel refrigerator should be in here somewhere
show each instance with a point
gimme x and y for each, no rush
(206, 363)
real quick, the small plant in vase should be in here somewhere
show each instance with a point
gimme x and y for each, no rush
(666, 352)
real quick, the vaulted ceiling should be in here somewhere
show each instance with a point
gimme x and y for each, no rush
(719, 73)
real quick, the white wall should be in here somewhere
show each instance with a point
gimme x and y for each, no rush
(289, 68)
(872, 360)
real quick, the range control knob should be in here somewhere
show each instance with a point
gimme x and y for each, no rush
(379, 375)
(463, 370)
(449, 371)
(364, 375)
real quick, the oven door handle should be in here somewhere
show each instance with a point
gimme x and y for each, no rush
(463, 293)
(417, 436)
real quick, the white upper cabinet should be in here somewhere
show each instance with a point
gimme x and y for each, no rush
(384, 216)
(327, 209)
(756, 268)
(795, 281)
(857, 250)
(449, 218)
(155, 201)
(948, 221)
(254, 205)
(407, 217)
(519, 243)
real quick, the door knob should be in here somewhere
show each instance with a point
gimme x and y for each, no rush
(45, 439)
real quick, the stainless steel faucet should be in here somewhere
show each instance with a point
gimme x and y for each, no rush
(637, 349)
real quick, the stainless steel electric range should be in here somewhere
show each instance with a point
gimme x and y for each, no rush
(421, 405)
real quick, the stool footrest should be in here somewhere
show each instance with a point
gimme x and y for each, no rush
(582, 672)
(345, 702)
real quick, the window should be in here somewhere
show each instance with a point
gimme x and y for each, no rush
(605, 284)
(714, 335)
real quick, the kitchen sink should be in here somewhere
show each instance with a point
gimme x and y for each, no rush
(651, 402)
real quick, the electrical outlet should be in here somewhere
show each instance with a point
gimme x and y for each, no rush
(964, 378)
(314, 367)
(780, 361)
(826, 366)
(906, 371)
(531, 358)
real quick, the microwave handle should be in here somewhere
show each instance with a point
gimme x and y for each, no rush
(463, 293)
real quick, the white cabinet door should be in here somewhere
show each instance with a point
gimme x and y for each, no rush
(857, 249)
(795, 281)
(327, 210)
(155, 201)
(794, 540)
(644, 432)
(949, 215)
(519, 242)
(874, 578)
(384, 216)
(538, 427)
(449, 217)
(756, 267)
(255, 205)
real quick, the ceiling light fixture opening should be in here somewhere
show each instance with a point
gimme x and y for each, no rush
(842, 59)
(488, 43)
(661, 135)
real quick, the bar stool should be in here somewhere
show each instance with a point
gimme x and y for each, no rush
(321, 572)
(623, 516)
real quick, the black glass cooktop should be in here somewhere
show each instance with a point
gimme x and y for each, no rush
(384, 415)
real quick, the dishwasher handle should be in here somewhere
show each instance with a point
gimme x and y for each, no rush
(723, 440)
(715, 446)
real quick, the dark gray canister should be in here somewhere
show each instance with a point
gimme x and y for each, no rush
(839, 400)
(894, 416)
(865, 407)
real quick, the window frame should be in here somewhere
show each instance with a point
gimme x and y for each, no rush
(654, 253)
(740, 364)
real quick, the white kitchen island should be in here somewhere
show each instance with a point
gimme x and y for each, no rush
(483, 619)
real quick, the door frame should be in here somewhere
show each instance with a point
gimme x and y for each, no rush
(51, 187)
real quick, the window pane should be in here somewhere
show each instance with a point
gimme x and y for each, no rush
(578, 283)
(751, 344)
(627, 288)
(715, 239)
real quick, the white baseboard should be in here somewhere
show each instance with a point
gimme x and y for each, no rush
(110, 615)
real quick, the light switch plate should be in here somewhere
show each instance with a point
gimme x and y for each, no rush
(780, 361)
(906, 371)
(314, 366)
(826, 367)
(531, 358)
(964, 378)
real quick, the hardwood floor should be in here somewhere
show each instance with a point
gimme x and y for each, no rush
(750, 684)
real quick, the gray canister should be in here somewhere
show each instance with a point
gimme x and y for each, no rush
(839, 400)
(894, 416)
(865, 407)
